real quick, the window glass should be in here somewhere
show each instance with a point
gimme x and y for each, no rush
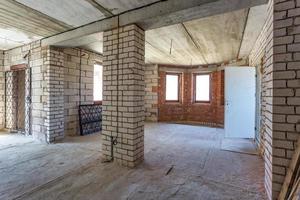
(202, 87)
(98, 73)
(172, 87)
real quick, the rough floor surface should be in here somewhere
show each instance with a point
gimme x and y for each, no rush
(181, 162)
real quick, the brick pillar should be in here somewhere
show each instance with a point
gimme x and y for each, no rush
(282, 92)
(2, 91)
(53, 94)
(123, 94)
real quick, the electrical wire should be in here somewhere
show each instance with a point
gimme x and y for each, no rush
(115, 139)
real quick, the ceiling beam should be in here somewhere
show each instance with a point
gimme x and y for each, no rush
(102, 9)
(243, 34)
(159, 14)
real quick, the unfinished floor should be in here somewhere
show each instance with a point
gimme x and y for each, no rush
(181, 162)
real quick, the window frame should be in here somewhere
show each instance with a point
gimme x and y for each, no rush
(195, 90)
(98, 102)
(179, 87)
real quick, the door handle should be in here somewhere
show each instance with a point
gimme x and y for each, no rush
(227, 103)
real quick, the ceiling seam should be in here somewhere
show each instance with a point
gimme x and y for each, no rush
(161, 51)
(194, 42)
(106, 12)
(243, 33)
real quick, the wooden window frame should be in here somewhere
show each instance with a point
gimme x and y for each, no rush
(194, 87)
(179, 87)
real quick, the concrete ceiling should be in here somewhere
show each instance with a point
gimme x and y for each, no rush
(20, 25)
(119, 6)
(74, 13)
(210, 40)
(207, 40)
(23, 21)
(203, 41)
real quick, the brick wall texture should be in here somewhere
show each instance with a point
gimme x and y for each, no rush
(151, 92)
(18, 56)
(278, 47)
(123, 94)
(2, 90)
(78, 81)
(53, 93)
(55, 87)
(186, 110)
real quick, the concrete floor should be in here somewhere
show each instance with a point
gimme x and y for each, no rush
(73, 169)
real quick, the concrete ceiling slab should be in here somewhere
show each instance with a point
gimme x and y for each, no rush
(119, 6)
(214, 39)
(96, 47)
(25, 25)
(93, 42)
(256, 20)
(10, 38)
(210, 40)
(198, 42)
(219, 36)
(74, 13)
(175, 43)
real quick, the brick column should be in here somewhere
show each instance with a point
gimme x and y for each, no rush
(282, 93)
(123, 94)
(2, 91)
(53, 94)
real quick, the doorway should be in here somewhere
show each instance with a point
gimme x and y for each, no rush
(17, 91)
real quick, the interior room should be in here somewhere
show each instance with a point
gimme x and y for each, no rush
(150, 99)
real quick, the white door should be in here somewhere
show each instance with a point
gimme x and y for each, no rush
(240, 102)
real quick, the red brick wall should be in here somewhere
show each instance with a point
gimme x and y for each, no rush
(186, 110)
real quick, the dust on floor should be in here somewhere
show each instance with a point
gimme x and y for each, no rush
(181, 162)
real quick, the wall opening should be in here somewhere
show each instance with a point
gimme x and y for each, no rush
(17, 101)
(98, 83)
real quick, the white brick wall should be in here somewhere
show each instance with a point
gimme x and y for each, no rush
(151, 95)
(53, 93)
(36, 64)
(278, 45)
(15, 57)
(123, 94)
(261, 57)
(55, 86)
(2, 90)
(72, 80)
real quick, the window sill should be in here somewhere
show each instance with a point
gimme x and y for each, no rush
(173, 102)
(202, 103)
(98, 102)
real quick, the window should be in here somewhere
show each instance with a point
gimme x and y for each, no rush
(202, 87)
(172, 87)
(98, 82)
